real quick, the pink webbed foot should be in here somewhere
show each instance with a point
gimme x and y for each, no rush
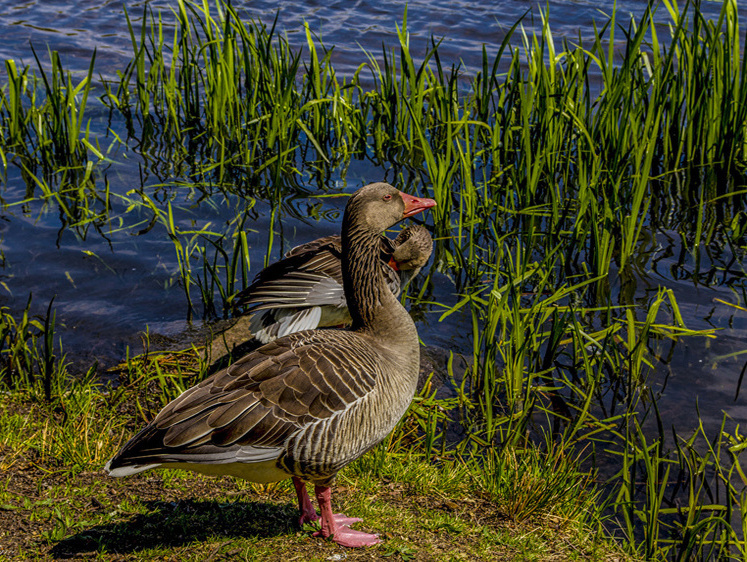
(345, 536)
(342, 519)
(337, 526)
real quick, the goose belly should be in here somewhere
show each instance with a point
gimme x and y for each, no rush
(261, 472)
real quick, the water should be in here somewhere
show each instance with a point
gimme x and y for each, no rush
(103, 303)
(76, 28)
(105, 297)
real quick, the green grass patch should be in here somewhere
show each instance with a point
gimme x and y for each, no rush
(423, 511)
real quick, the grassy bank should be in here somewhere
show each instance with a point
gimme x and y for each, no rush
(555, 168)
(56, 502)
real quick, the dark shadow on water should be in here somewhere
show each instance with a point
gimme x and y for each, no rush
(173, 524)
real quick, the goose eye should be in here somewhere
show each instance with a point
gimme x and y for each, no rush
(387, 197)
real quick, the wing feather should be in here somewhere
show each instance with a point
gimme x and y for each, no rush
(252, 408)
(288, 282)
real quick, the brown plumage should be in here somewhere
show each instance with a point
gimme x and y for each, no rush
(309, 403)
(305, 289)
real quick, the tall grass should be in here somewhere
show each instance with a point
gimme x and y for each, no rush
(28, 359)
(226, 93)
(555, 167)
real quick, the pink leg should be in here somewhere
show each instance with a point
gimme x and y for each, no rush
(337, 526)
(308, 513)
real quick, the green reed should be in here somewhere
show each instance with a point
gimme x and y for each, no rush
(29, 359)
(43, 116)
(698, 522)
(47, 136)
(228, 91)
(554, 167)
(231, 265)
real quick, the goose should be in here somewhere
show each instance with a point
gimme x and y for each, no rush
(307, 404)
(304, 290)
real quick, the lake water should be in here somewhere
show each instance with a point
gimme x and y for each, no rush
(76, 28)
(102, 304)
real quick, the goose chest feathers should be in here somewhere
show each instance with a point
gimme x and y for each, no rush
(306, 404)
(304, 290)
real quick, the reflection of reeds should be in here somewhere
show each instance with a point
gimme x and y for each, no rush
(46, 136)
(553, 168)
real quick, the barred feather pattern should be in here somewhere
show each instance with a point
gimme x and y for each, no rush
(368, 290)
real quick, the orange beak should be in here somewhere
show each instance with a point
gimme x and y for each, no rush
(393, 264)
(415, 205)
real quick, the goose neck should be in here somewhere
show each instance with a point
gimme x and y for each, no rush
(365, 289)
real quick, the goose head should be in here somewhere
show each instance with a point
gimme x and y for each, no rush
(412, 249)
(379, 206)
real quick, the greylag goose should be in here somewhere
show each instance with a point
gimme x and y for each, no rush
(307, 404)
(304, 290)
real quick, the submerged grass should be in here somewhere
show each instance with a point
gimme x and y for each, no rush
(555, 166)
